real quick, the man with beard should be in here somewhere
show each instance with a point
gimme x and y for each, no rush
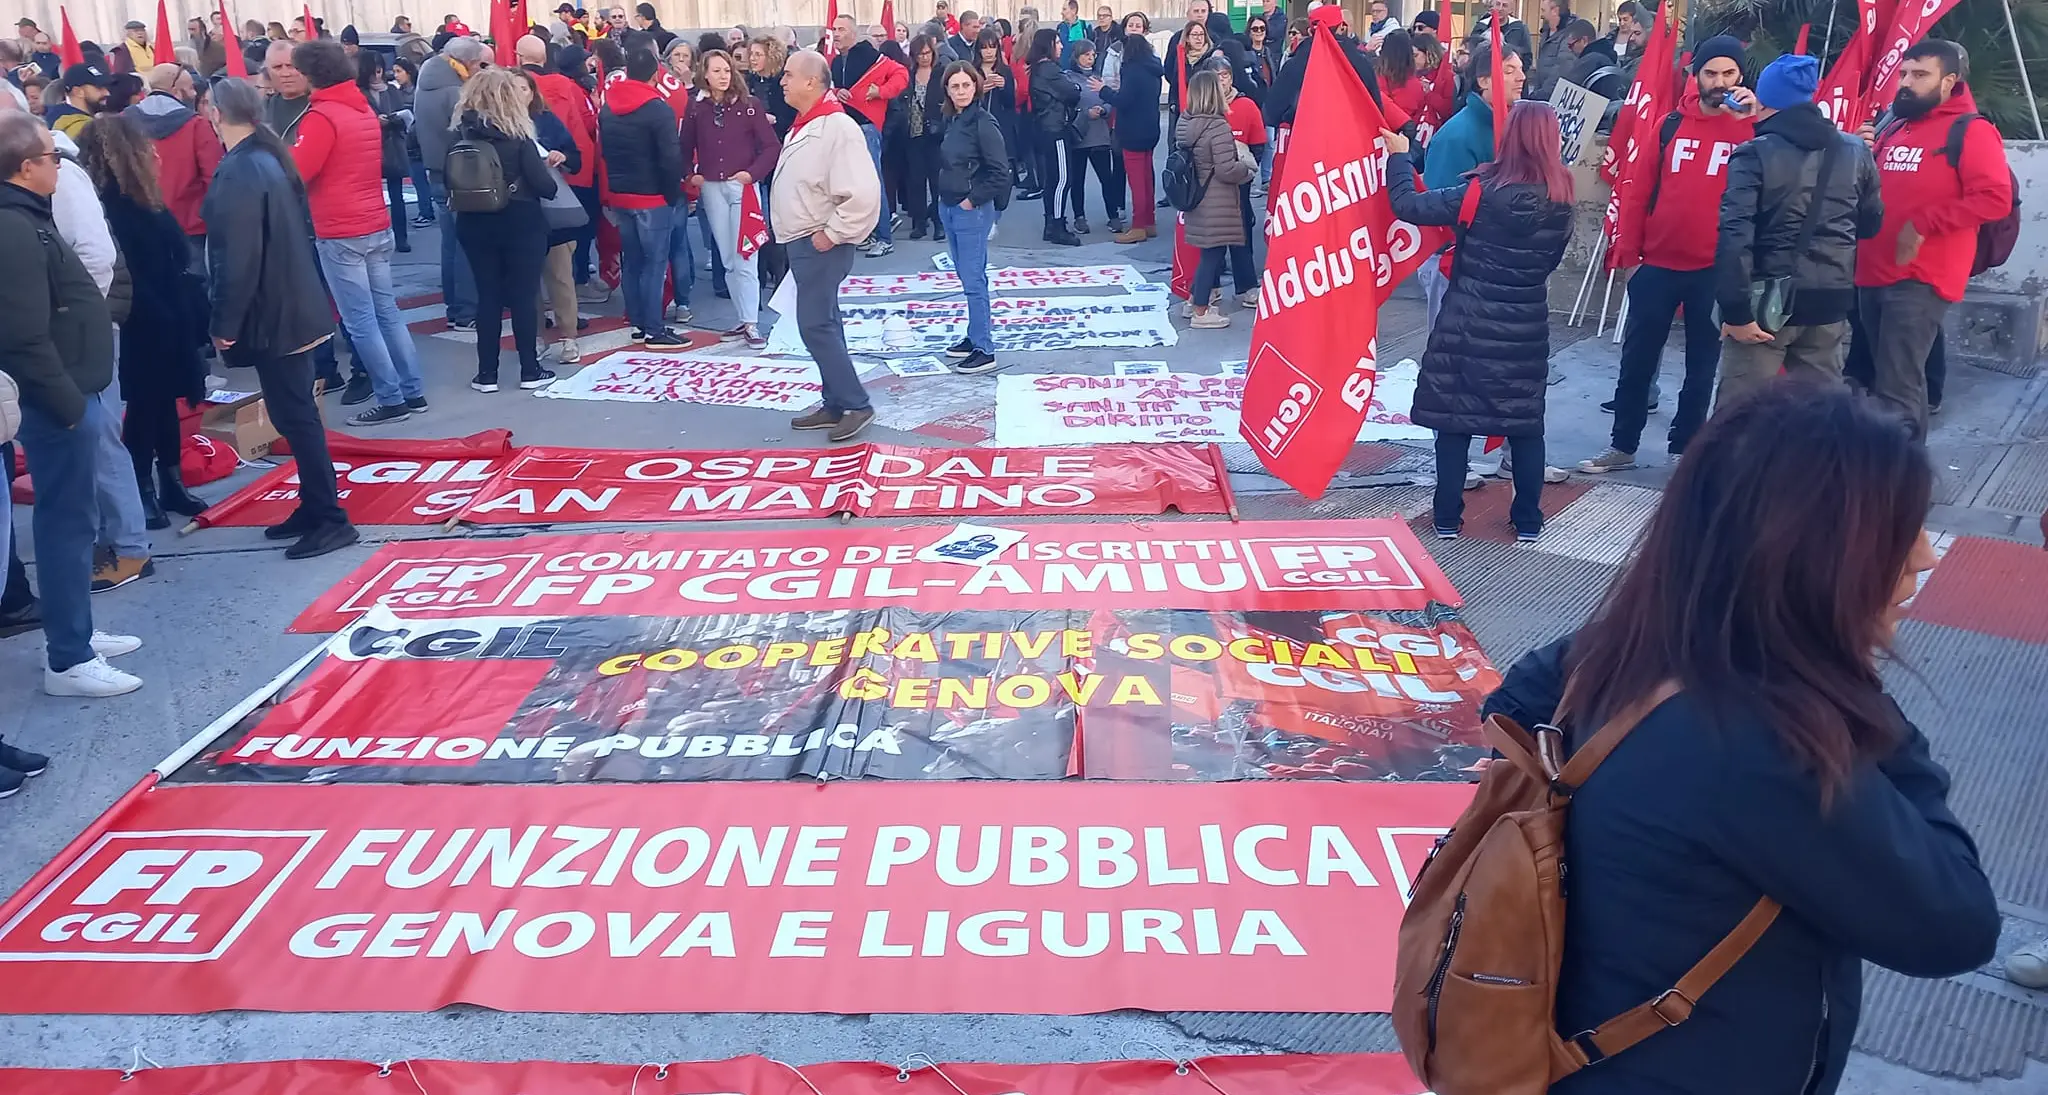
(1943, 175)
(85, 93)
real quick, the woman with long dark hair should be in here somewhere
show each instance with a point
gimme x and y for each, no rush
(392, 105)
(923, 103)
(405, 76)
(729, 145)
(992, 67)
(507, 248)
(1140, 77)
(1055, 109)
(973, 184)
(1766, 761)
(159, 346)
(1485, 370)
(1400, 83)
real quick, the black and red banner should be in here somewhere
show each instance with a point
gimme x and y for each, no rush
(484, 479)
(1153, 694)
(1295, 566)
(1057, 897)
(1337, 1074)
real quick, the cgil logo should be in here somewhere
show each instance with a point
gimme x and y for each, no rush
(176, 896)
(1358, 563)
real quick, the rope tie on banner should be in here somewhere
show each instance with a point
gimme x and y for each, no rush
(136, 1061)
(384, 1071)
(660, 1073)
(806, 1079)
(1181, 1065)
(922, 1060)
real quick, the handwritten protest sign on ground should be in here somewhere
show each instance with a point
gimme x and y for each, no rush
(1022, 324)
(637, 376)
(1050, 409)
(1007, 279)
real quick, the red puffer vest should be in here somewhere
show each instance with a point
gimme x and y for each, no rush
(340, 153)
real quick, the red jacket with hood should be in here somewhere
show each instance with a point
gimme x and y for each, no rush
(1944, 202)
(187, 150)
(1684, 219)
(888, 79)
(571, 103)
(340, 154)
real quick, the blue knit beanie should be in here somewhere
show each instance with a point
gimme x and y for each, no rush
(1788, 81)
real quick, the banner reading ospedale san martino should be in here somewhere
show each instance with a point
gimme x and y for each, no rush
(854, 898)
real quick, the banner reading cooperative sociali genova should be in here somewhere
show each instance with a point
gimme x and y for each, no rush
(854, 898)
(484, 480)
(1335, 251)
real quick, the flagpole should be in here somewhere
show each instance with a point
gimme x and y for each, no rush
(2026, 83)
(1827, 40)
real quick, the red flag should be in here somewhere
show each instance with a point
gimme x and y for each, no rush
(238, 65)
(753, 225)
(1329, 265)
(1799, 46)
(312, 27)
(69, 51)
(1913, 21)
(1499, 96)
(828, 47)
(1634, 169)
(503, 52)
(889, 19)
(166, 47)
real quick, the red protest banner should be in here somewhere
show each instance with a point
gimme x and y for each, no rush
(68, 48)
(1912, 21)
(1635, 168)
(1840, 96)
(849, 897)
(1334, 253)
(753, 233)
(483, 479)
(1276, 1074)
(1305, 566)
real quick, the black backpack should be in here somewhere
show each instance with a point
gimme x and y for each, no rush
(476, 178)
(1179, 180)
(1995, 239)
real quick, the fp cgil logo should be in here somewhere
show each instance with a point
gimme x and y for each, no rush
(174, 896)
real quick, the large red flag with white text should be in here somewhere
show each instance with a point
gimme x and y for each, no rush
(1633, 168)
(1841, 91)
(1334, 252)
(1910, 23)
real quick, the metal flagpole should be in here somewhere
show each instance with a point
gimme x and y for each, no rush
(1827, 41)
(1606, 298)
(2026, 83)
(1586, 283)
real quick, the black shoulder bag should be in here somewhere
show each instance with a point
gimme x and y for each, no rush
(1771, 300)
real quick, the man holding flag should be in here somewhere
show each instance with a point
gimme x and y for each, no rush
(1693, 146)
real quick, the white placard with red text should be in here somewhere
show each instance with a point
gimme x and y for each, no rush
(1057, 409)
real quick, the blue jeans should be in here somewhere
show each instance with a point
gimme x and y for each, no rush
(874, 137)
(422, 189)
(643, 244)
(116, 496)
(967, 242)
(682, 258)
(358, 270)
(458, 285)
(62, 462)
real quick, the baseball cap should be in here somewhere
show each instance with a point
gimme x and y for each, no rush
(25, 22)
(565, 8)
(84, 75)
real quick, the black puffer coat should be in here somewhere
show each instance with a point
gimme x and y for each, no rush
(1489, 353)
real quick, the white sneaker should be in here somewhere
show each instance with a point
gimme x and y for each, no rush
(1250, 300)
(2028, 966)
(91, 680)
(592, 292)
(113, 646)
(567, 352)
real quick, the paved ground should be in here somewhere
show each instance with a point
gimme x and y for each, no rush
(1973, 660)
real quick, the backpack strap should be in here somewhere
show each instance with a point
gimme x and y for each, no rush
(1957, 134)
(1567, 776)
(1674, 1005)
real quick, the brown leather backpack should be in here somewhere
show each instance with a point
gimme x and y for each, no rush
(1475, 984)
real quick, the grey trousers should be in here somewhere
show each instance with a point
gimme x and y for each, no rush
(1901, 320)
(1749, 367)
(818, 274)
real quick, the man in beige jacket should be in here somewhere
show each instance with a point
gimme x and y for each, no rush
(825, 199)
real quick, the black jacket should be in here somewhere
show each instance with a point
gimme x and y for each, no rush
(527, 178)
(973, 164)
(1488, 357)
(849, 67)
(768, 89)
(262, 275)
(161, 337)
(387, 104)
(1770, 181)
(1695, 816)
(641, 149)
(1054, 99)
(1246, 73)
(57, 341)
(897, 122)
(1281, 98)
(1136, 101)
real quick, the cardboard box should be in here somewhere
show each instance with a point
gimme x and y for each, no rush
(243, 425)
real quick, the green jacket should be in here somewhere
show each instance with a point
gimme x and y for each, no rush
(58, 341)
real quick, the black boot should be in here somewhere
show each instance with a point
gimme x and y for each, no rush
(1056, 231)
(170, 489)
(153, 516)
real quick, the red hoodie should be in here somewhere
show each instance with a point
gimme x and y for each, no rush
(340, 154)
(1944, 203)
(1684, 219)
(888, 79)
(572, 104)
